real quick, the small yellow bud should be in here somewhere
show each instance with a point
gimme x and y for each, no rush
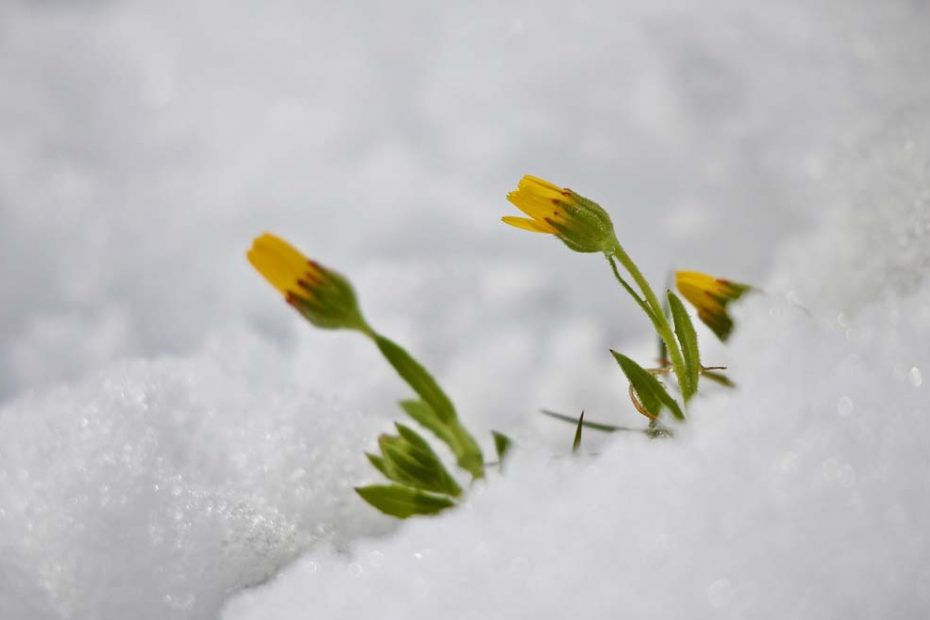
(710, 296)
(322, 296)
(580, 223)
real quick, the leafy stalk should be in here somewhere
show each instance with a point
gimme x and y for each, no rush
(434, 410)
(653, 310)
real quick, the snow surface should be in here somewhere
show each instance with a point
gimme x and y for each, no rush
(174, 443)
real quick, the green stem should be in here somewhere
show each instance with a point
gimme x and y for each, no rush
(629, 289)
(657, 315)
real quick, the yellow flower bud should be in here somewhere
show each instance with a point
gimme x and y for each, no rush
(580, 223)
(322, 296)
(710, 296)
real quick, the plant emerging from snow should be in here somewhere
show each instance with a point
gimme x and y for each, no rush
(585, 227)
(419, 482)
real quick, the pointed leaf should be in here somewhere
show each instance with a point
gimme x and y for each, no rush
(576, 444)
(378, 463)
(652, 394)
(413, 467)
(502, 445)
(684, 330)
(468, 454)
(718, 377)
(597, 426)
(414, 438)
(404, 466)
(415, 460)
(417, 377)
(426, 417)
(402, 502)
(463, 445)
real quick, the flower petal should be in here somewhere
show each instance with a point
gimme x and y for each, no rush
(282, 251)
(528, 224)
(278, 274)
(710, 296)
(534, 206)
(536, 184)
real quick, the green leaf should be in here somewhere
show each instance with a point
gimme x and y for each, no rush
(378, 463)
(425, 470)
(426, 417)
(436, 412)
(718, 377)
(684, 330)
(597, 426)
(463, 445)
(502, 445)
(402, 502)
(576, 444)
(417, 377)
(413, 438)
(663, 348)
(652, 394)
(407, 467)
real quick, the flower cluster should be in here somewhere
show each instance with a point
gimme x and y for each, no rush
(418, 482)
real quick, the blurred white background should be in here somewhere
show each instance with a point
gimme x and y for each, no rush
(145, 143)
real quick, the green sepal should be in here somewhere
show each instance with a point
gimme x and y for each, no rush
(588, 227)
(402, 501)
(467, 453)
(687, 337)
(652, 394)
(330, 304)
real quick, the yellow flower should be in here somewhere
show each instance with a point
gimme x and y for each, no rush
(322, 296)
(710, 296)
(580, 223)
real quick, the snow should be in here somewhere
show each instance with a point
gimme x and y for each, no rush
(174, 443)
(159, 485)
(802, 494)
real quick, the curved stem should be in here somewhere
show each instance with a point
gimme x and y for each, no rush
(629, 289)
(659, 320)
